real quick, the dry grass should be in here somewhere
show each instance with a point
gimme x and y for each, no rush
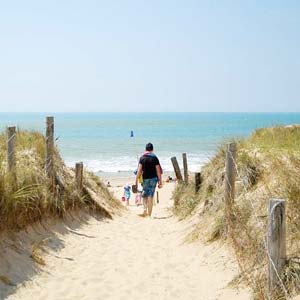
(268, 167)
(26, 197)
(6, 280)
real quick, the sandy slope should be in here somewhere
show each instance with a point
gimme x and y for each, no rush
(133, 258)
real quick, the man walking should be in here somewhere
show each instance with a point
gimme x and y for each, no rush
(150, 169)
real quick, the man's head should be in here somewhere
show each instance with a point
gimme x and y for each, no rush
(149, 147)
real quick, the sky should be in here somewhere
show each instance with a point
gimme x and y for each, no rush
(158, 55)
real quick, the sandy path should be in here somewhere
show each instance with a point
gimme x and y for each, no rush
(134, 258)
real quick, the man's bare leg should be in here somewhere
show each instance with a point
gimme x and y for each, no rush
(145, 204)
(150, 206)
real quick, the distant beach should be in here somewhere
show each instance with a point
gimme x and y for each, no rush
(102, 140)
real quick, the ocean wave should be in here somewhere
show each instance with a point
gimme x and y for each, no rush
(129, 164)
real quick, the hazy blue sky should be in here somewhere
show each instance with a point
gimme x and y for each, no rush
(152, 55)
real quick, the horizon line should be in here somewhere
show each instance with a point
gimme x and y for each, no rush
(145, 112)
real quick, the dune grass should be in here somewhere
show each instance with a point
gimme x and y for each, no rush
(268, 167)
(25, 196)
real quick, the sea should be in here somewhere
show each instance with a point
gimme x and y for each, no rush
(110, 144)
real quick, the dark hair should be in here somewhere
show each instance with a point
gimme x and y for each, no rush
(149, 147)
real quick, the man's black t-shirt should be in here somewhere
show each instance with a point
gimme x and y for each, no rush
(149, 164)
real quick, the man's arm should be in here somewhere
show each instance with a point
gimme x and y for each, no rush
(139, 173)
(158, 172)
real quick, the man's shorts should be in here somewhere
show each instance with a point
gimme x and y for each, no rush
(149, 186)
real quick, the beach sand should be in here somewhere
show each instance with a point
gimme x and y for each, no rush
(132, 258)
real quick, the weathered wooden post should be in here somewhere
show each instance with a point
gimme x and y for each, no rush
(230, 173)
(185, 168)
(50, 147)
(176, 168)
(276, 242)
(79, 176)
(197, 182)
(11, 157)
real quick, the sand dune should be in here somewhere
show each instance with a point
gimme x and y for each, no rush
(133, 258)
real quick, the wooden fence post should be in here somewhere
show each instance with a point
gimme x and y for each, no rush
(79, 176)
(276, 241)
(230, 166)
(197, 182)
(50, 147)
(11, 157)
(176, 168)
(185, 168)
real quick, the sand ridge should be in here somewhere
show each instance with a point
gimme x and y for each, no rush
(134, 258)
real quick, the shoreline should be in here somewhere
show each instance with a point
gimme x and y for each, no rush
(122, 180)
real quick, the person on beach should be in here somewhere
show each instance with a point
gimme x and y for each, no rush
(127, 189)
(150, 170)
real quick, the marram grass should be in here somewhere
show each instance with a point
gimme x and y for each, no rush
(268, 167)
(26, 196)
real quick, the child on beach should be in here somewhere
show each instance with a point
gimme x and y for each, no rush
(127, 189)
